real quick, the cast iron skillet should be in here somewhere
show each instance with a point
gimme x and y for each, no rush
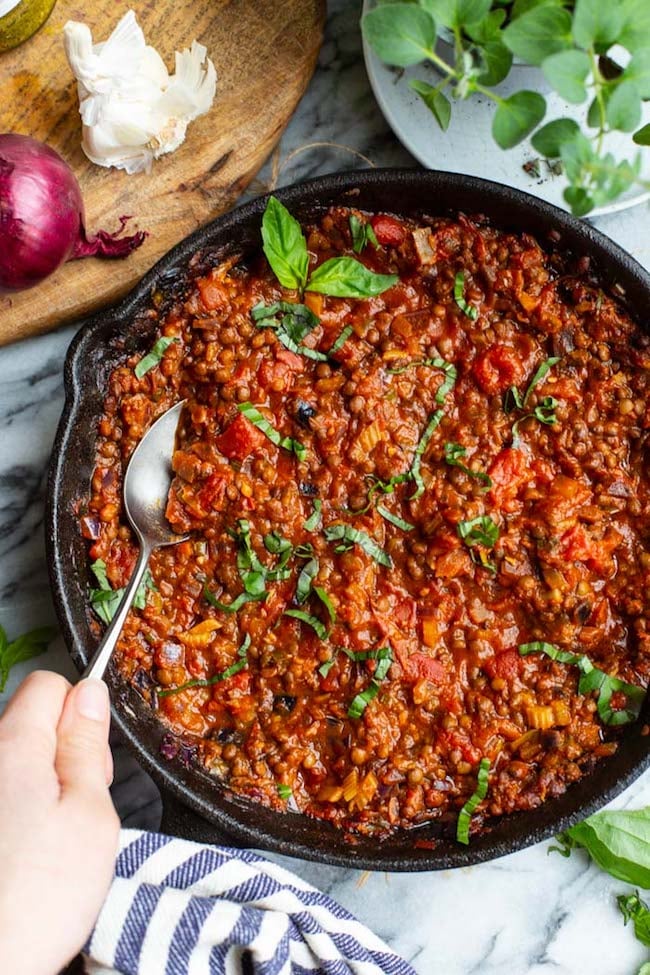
(196, 806)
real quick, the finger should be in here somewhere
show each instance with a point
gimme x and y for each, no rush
(82, 739)
(110, 767)
(29, 723)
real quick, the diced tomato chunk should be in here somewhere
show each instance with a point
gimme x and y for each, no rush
(424, 667)
(213, 294)
(388, 231)
(505, 665)
(213, 492)
(508, 471)
(239, 439)
(497, 368)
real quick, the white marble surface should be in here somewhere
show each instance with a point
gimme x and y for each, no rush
(527, 914)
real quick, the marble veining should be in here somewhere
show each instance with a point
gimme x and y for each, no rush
(530, 913)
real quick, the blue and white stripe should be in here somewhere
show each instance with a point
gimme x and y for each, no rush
(179, 908)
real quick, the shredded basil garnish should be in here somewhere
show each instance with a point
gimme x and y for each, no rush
(236, 604)
(362, 234)
(234, 668)
(326, 601)
(105, 601)
(479, 531)
(452, 452)
(395, 519)
(448, 368)
(544, 412)
(155, 356)
(305, 579)
(540, 373)
(284, 791)
(459, 296)
(325, 668)
(314, 520)
(594, 679)
(319, 628)
(414, 472)
(362, 699)
(254, 416)
(297, 321)
(354, 536)
(341, 339)
(384, 658)
(466, 813)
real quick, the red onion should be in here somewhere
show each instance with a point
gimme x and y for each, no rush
(42, 216)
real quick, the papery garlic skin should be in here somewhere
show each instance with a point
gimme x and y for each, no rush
(132, 110)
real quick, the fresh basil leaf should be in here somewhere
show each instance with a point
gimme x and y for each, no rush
(25, 647)
(257, 419)
(568, 71)
(548, 140)
(326, 601)
(538, 33)
(618, 841)
(276, 544)
(105, 601)
(453, 451)
(362, 700)
(341, 339)
(155, 356)
(344, 277)
(284, 246)
(415, 470)
(315, 518)
(459, 297)
(468, 810)
(354, 536)
(436, 102)
(296, 323)
(236, 604)
(634, 909)
(362, 234)
(597, 24)
(239, 664)
(395, 519)
(479, 531)
(540, 646)
(284, 791)
(540, 373)
(642, 137)
(305, 578)
(98, 568)
(399, 34)
(449, 369)
(624, 107)
(516, 117)
(319, 628)
(325, 668)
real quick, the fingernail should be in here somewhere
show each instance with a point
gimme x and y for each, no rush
(92, 699)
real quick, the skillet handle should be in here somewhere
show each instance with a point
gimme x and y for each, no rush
(179, 820)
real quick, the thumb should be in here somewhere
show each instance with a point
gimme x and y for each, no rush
(82, 739)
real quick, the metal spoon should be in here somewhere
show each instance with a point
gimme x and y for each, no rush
(146, 486)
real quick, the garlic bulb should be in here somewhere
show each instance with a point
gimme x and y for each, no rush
(132, 110)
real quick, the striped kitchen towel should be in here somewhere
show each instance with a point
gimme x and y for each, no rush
(177, 907)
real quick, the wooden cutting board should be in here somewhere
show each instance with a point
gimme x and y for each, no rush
(265, 53)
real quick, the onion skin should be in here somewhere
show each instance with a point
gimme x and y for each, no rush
(42, 216)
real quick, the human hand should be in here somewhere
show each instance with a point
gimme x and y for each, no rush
(58, 827)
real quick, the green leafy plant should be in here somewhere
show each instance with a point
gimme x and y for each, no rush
(589, 50)
(24, 647)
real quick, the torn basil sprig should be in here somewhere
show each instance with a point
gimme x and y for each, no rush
(152, 358)
(285, 248)
(459, 297)
(384, 658)
(468, 810)
(637, 911)
(258, 420)
(453, 453)
(594, 679)
(234, 668)
(415, 469)
(349, 536)
(362, 234)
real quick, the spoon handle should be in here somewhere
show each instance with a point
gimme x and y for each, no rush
(104, 652)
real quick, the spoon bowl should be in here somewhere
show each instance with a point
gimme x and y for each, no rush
(146, 486)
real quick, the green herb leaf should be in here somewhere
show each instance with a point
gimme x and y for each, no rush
(24, 647)
(297, 322)
(479, 531)
(642, 137)
(459, 297)
(276, 544)
(354, 536)
(105, 601)
(436, 102)
(362, 234)
(315, 518)
(305, 578)
(468, 810)
(236, 604)
(516, 117)
(325, 668)
(540, 373)
(98, 569)
(284, 791)
(341, 339)
(638, 70)
(239, 664)
(319, 628)
(285, 246)
(618, 841)
(344, 277)
(597, 24)
(453, 451)
(623, 110)
(568, 71)
(395, 519)
(548, 140)
(496, 62)
(539, 33)
(326, 601)
(154, 357)
(449, 369)
(257, 419)
(634, 909)
(361, 700)
(400, 34)
(415, 471)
